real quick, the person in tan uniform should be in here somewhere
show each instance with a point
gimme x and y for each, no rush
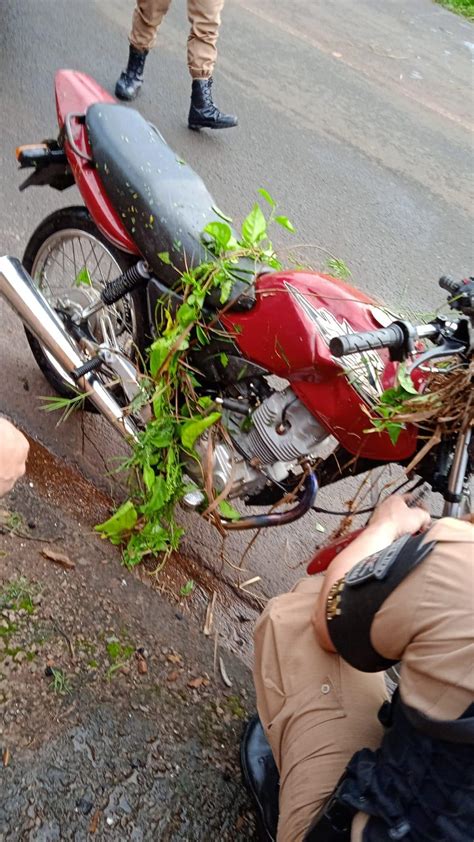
(205, 18)
(412, 781)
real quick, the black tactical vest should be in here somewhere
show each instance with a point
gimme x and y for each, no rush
(419, 785)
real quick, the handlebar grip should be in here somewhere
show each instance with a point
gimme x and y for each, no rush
(449, 284)
(354, 343)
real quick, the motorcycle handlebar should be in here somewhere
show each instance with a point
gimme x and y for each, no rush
(354, 343)
(449, 284)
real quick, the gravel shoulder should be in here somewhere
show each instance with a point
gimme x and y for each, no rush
(116, 721)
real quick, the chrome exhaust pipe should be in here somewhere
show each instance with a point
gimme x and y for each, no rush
(19, 291)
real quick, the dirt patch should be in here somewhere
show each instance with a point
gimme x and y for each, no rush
(62, 486)
(116, 722)
(235, 610)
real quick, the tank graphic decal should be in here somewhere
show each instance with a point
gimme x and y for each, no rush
(364, 370)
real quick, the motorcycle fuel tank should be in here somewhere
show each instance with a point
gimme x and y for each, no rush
(288, 333)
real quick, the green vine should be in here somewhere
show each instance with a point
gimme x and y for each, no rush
(391, 404)
(441, 407)
(145, 524)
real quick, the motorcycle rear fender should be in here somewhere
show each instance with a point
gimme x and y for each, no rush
(75, 92)
(323, 557)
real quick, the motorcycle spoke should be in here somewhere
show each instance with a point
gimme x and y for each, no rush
(108, 273)
(98, 264)
(57, 271)
(92, 256)
(52, 258)
(73, 251)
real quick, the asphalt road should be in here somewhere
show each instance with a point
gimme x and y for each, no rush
(355, 116)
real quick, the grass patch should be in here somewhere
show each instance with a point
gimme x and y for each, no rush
(8, 630)
(60, 683)
(118, 654)
(18, 595)
(461, 7)
(234, 705)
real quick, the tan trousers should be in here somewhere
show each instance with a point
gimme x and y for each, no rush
(204, 17)
(316, 710)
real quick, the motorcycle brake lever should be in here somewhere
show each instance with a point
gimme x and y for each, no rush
(447, 349)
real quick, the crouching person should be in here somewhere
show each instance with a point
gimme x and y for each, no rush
(351, 765)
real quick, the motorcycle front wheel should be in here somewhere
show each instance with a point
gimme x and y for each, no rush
(71, 261)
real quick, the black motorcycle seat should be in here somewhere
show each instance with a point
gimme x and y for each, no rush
(162, 203)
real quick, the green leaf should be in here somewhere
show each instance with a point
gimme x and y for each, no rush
(202, 336)
(254, 227)
(160, 432)
(83, 278)
(226, 289)
(186, 314)
(53, 403)
(158, 353)
(158, 497)
(228, 512)
(267, 197)
(191, 430)
(164, 257)
(197, 298)
(188, 588)
(221, 233)
(122, 521)
(148, 477)
(391, 397)
(273, 262)
(393, 429)
(285, 223)
(405, 381)
(205, 402)
(338, 268)
(224, 359)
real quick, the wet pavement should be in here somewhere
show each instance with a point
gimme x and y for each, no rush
(117, 722)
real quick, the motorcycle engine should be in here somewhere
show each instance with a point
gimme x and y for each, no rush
(267, 446)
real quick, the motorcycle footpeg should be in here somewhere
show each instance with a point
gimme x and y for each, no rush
(133, 278)
(89, 366)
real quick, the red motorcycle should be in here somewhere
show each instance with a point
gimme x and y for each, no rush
(92, 278)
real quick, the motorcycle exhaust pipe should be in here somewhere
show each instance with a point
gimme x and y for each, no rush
(19, 291)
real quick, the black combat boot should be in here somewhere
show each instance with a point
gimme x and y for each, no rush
(203, 114)
(131, 79)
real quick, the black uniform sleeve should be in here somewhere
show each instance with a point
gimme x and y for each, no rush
(365, 589)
